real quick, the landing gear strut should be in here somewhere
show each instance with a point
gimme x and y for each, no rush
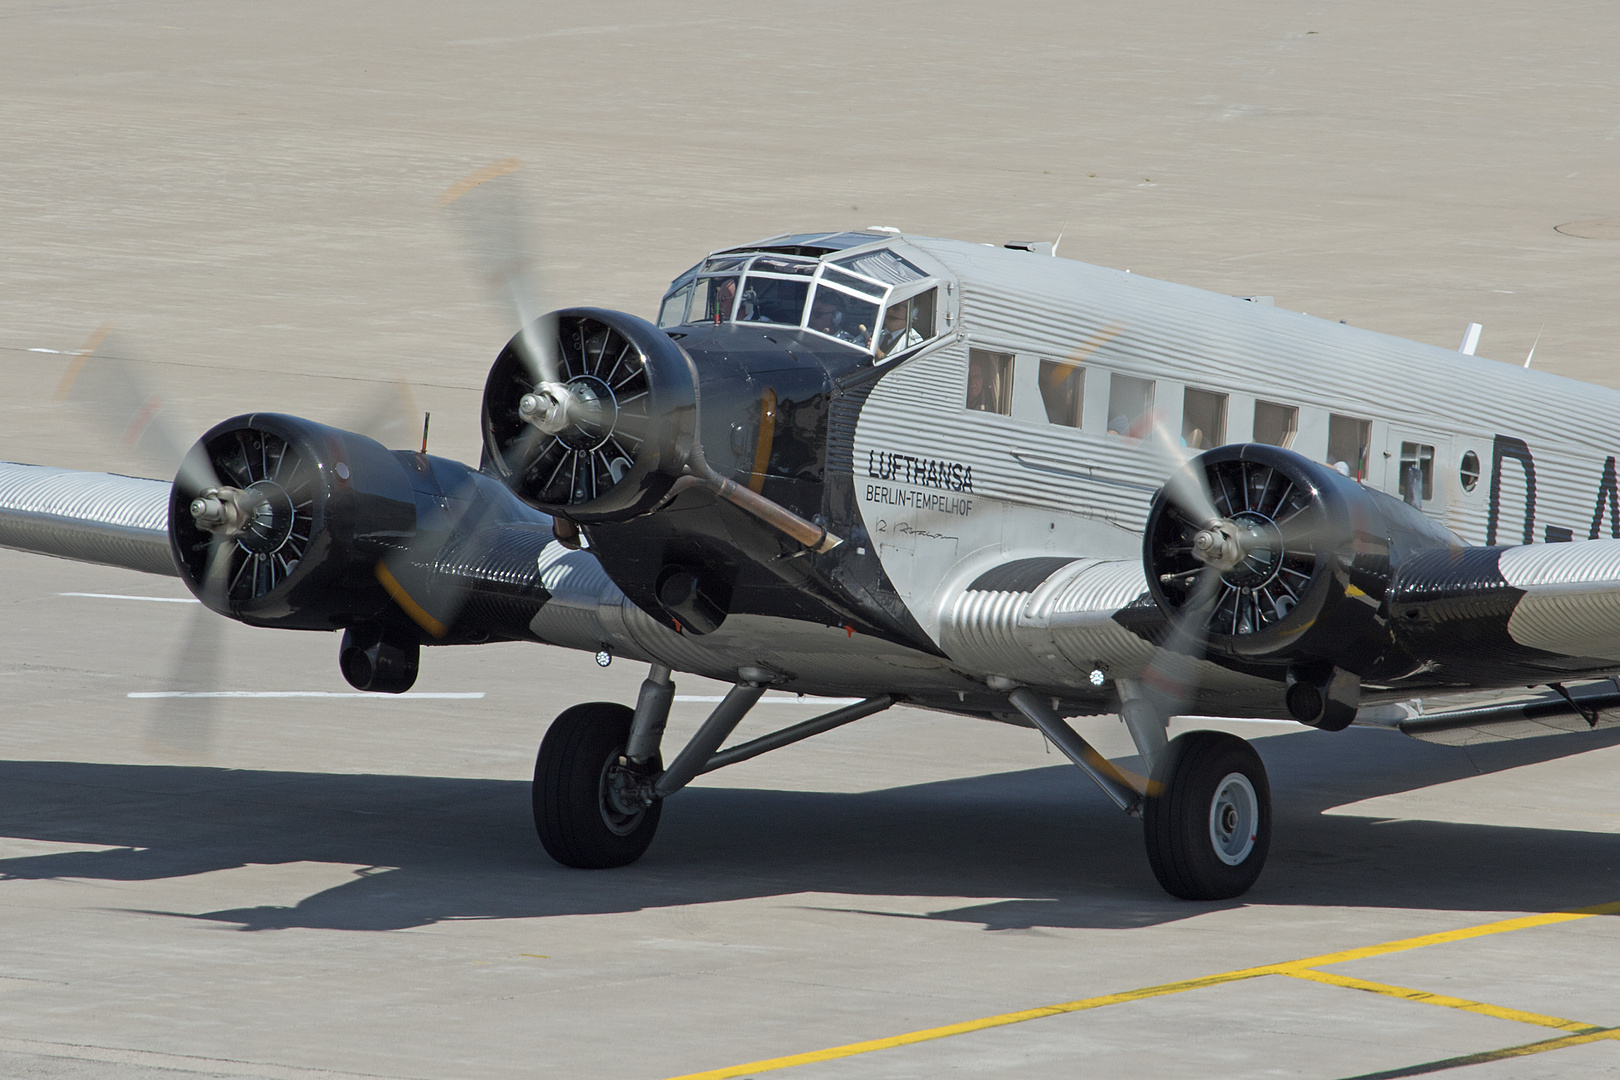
(1206, 813)
(599, 781)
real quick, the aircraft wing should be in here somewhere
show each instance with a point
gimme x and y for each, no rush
(1546, 610)
(86, 516)
(1052, 622)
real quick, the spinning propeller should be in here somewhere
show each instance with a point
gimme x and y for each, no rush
(248, 505)
(1231, 548)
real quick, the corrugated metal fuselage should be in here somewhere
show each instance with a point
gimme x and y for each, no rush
(930, 495)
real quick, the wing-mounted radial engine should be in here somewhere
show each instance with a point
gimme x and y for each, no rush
(1282, 562)
(282, 522)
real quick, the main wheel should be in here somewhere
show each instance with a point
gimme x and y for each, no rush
(583, 819)
(1208, 820)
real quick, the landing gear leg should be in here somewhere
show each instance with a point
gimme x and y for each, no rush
(1207, 816)
(1147, 723)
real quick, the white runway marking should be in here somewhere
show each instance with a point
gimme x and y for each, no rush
(54, 352)
(780, 700)
(296, 694)
(120, 596)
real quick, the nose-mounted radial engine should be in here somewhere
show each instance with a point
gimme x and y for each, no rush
(1284, 562)
(590, 414)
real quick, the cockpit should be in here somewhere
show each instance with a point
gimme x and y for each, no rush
(871, 299)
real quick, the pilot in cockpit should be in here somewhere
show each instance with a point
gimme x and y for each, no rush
(828, 315)
(896, 334)
(725, 291)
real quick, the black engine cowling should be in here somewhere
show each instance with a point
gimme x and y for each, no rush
(318, 515)
(1323, 550)
(634, 395)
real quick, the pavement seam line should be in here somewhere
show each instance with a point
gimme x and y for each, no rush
(1486, 1056)
(1501, 926)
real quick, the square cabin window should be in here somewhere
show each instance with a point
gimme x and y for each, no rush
(1130, 405)
(1203, 419)
(1417, 473)
(1275, 424)
(1348, 439)
(990, 376)
(1063, 389)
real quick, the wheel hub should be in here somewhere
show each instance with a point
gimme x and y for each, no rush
(1234, 818)
(624, 797)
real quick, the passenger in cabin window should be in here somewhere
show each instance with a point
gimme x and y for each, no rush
(896, 335)
(1119, 425)
(981, 391)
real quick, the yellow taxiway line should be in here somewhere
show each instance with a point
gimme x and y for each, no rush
(1303, 969)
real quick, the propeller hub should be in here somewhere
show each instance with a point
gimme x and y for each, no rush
(220, 511)
(1219, 544)
(581, 413)
(1247, 549)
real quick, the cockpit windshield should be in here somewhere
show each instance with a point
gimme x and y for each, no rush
(874, 300)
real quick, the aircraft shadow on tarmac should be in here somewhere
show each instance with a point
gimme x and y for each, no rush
(1041, 845)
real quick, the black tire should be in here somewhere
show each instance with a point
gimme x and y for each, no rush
(1208, 820)
(577, 824)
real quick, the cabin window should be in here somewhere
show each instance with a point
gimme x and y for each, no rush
(989, 385)
(1275, 424)
(1130, 405)
(1417, 473)
(1063, 389)
(1348, 439)
(907, 323)
(1203, 419)
(883, 265)
(1468, 470)
(843, 316)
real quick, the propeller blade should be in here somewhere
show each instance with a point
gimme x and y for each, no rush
(1187, 486)
(184, 724)
(103, 379)
(391, 417)
(486, 209)
(1172, 678)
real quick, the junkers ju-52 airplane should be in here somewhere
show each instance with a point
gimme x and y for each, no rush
(924, 471)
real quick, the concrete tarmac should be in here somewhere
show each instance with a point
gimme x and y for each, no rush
(332, 886)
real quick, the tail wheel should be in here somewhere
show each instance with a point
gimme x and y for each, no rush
(583, 818)
(1208, 818)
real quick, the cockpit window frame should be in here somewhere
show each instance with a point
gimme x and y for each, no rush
(859, 287)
